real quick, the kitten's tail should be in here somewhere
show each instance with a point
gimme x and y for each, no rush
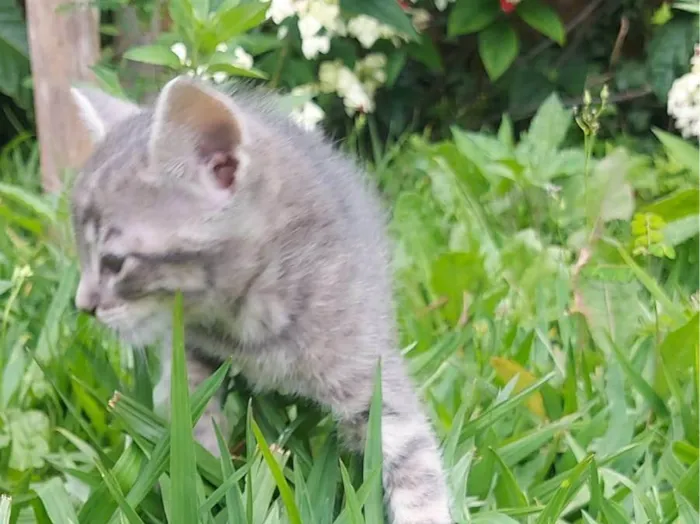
(414, 479)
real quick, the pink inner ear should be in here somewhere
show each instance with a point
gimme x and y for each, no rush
(224, 167)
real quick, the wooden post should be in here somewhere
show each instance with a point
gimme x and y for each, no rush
(64, 43)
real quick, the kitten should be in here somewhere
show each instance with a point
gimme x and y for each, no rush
(278, 247)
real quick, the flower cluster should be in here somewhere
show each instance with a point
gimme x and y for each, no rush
(684, 99)
(318, 22)
(356, 87)
(238, 57)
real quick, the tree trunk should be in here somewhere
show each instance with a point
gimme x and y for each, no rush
(64, 43)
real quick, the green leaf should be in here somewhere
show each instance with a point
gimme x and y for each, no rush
(681, 204)
(498, 48)
(219, 66)
(29, 437)
(568, 488)
(56, 502)
(183, 467)
(457, 277)
(14, 50)
(5, 509)
(549, 126)
(508, 493)
(543, 18)
(471, 16)
(234, 498)
(680, 150)
(668, 53)
(374, 507)
(389, 13)
(352, 504)
(239, 19)
(282, 484)
(680, 347)
(655, 402)
(154, 54)
(610, 195)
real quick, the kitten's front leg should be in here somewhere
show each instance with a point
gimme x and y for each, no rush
(197, 372)
(414, 479)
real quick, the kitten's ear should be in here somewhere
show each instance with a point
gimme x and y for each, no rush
(99, 111)
(191, 115)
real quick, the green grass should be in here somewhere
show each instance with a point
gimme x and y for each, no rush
(559, 366)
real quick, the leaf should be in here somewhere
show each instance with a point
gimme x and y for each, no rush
(389, 13)
(183, 468)
(374, 507)
(5, 509)
(234, 498)
(550, 125)
(280, 480)
(154, 54)
(680, 347)
(610, 195)
(498, 48)
(352, 505)
(471, 16)
(508, 492)
(568, 488)
(29, 436)
(642, 386)
(543, 18)
(232, 70)
(507, 369)
(681, 204)
(680, 150)
(14, 49)
(668, 52)
(56, 501)
(239, 19)
(452, 276)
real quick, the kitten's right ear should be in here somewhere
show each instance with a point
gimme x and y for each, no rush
(99, 111)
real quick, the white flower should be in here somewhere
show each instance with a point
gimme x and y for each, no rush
(280, 10)
(181, 51)
(222, 47)
(308, 115)
(314, 45)
(328, 15)
(355, 97)
(242, 59)
(441, 5)
(219, 77)
(366, 29)
(308, 26)
(328, 73)
(421, 19)
(684, 99)
(282, 32)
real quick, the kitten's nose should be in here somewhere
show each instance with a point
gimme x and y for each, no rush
(86, 299)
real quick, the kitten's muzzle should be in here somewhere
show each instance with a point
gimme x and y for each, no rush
(86, 299)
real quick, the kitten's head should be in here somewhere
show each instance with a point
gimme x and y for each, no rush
(165, 201)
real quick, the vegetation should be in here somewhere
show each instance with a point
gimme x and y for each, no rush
(547, 297)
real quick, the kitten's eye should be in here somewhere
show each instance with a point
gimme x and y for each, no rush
(112, 263)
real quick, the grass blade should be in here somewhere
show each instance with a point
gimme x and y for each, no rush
(374, 507)
(5, 509)
(183, 465)
(282, 485)
(56, 502)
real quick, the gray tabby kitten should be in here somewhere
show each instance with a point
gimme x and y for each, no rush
(279, 250)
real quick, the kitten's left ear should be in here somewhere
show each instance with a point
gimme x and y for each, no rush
(99, 111)
(192, 117)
